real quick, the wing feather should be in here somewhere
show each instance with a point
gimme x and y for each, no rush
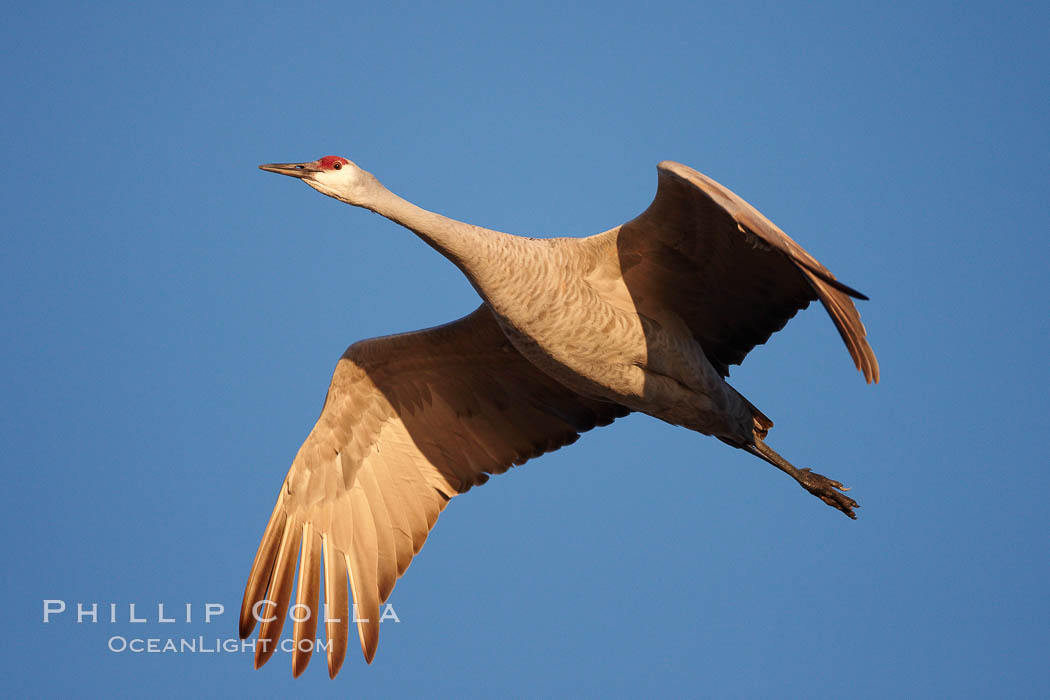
(278, 594)
(386, 551)
(362, 561)
(337, 605)
(259, 580)
(307, 590)
(401, 526)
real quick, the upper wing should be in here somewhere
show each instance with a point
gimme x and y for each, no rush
(728, 271)
(409, 421)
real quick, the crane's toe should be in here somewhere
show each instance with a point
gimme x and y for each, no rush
(828, 490)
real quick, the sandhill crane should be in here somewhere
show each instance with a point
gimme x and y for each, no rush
(572, 333)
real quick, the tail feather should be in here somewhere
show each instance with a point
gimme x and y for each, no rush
(762, 422)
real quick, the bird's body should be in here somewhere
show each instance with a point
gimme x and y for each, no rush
(572, 333)
(562, 321)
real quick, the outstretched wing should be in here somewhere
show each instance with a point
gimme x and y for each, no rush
(728, 271)
(409, 422)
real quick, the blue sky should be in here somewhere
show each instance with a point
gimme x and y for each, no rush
(173, 316)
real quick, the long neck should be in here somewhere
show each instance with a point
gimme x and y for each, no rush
(473, 249)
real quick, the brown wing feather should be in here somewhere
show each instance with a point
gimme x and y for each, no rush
(728, 271)
(409, 421)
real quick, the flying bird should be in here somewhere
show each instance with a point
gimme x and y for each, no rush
(571, 334)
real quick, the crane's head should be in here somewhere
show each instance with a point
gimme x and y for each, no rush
(334, 176)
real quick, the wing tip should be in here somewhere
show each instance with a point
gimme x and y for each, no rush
(840, 286)
(871, 369)
(368, 631)
(246, 627)
(263, 652)
(337, 637)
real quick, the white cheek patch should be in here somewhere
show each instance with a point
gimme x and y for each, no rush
(324, 182)
(340, 184)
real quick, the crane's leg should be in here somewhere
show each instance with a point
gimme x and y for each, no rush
(735, 421)
(827, 490)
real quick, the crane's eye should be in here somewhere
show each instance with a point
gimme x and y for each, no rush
(338, 165)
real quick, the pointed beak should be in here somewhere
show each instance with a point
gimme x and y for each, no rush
(299, 170)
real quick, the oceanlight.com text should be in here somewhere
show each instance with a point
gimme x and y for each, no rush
(201, 645)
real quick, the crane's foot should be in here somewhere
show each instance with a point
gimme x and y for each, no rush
(827, 490)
